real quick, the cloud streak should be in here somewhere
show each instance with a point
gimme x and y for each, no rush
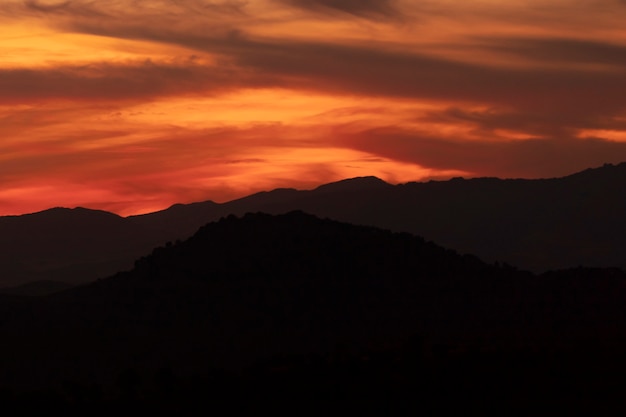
(126, 81)
(530, 158)
(361, 8)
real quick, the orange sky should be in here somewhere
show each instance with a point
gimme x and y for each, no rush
(133, 105)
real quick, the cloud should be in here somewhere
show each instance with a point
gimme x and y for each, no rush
(361, 8)
(112, 168)
(564, 93)
(532, 158)
(342, 67)
(541, 124)
(563, 50)
(375, 70)
(122, 81)
(118, 8)
(381, 70)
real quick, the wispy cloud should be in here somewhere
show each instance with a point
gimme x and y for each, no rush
(362, 8)
(130, 81)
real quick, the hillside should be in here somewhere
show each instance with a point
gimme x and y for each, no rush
(246, 296)
(534, 224)
(69, 245)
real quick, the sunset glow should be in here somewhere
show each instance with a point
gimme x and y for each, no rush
(134, 105)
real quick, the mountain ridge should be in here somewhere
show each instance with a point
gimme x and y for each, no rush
(536, 224)
(364, 180)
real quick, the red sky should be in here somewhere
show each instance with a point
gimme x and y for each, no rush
(133, 105)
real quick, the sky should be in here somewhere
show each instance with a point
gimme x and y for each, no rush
(131, 106)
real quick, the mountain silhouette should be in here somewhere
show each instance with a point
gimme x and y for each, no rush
(534, 224)
(244, 292)
(69, 245)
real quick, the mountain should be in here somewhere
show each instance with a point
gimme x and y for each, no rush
(534, 224)
(237, 291)
(69, 245)
(263, 304)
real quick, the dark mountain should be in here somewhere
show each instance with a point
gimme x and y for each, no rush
(69, 245)
(309, 299)
(534, 224)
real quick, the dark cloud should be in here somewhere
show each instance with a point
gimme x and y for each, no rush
(563, 50)
(130, 6)
(564, 92)
(247, 161)
(567, 93)
(361, 8)
(130, 82)
(46, 6)
(531, 123)
(533, 158)
(375, 70)
(76, 9)
(358, 69)
(174, 11)
(539, 100)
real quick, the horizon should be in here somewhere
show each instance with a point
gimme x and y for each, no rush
(130, 107)
(607, 164)
(315, 186)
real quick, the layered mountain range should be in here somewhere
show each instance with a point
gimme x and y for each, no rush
(243, 290)
(536, 225)
(298, 313)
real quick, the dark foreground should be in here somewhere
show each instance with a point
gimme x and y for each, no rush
(582, 382)
(306, 316)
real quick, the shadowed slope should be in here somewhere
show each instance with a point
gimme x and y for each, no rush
(70, 245)
(534, 224)
(243, 290)
(237, 291)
